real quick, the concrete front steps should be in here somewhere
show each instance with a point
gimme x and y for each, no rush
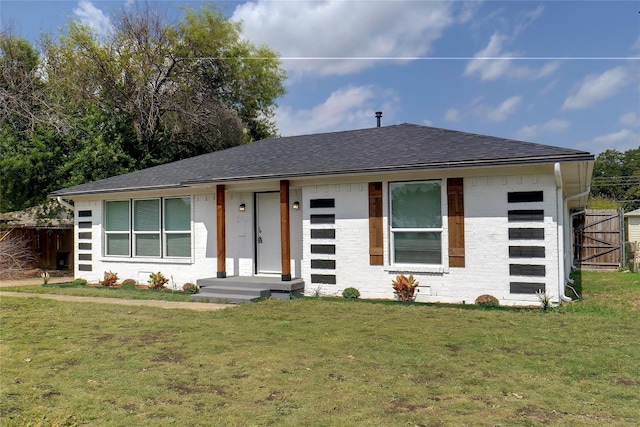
(239, 290)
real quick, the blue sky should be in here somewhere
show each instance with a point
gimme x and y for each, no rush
(556, 72)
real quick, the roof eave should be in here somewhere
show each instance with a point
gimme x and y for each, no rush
(71, 194)
(411, 167)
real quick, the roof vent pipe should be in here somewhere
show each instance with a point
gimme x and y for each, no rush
(378, 117)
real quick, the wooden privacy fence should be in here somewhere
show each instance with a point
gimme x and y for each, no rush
(52, 247)
(598, 239)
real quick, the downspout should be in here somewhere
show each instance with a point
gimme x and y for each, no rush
(560, 237)
(65, 204)
(563, 206)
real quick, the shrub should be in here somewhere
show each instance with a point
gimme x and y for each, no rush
(79, 282)
(487, 300)
(110, 279)
(405, 288)
(351, 293)
(190, 288)
(129, 284)
(157, 280)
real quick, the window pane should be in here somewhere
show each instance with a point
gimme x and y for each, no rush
(179, 245)
(147, 245)
(418, 247)
(118, 244)
(177, 214)
(117, 215)
(416, 205)
(146, 215)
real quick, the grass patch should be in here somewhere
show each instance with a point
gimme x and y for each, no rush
(102, 291)
(317, 362)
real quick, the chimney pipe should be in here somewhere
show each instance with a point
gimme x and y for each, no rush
(378, 117)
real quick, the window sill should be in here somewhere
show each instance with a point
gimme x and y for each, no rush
(401, 269)
(147, 260)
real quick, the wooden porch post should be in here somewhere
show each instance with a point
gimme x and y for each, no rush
(285, 237)
(221, 237)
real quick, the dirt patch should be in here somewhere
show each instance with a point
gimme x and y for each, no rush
(336, 377)
(170, 358)
(626, 382)
(403, 406)
(532, 412)
(636, 304)
(275, 395)
(455, 348)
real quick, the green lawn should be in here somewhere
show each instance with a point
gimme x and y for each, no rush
(314, 362)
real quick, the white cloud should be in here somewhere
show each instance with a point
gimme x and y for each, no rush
(526, 18)
(452, 115)
(622, 140)
(351, 107)
(492, 63)
(631, 119)
(552, 126)
(427, 122)
(342, 37)
(597, 87)
(93, 17)
(499, 113)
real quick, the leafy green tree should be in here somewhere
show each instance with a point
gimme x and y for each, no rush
(616, 177)
(187, 89)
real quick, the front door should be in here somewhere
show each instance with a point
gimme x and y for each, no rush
(268, 256)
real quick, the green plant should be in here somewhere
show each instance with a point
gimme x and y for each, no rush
(129, 284)
(317, 292)
(351, 293)
(79, 282)
(545, 300)
(487, 300)
(405, 288)
(190, 288)
(157, 280)
(110, 279)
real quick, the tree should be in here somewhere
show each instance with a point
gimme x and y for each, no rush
(186, 89)
(616, 177)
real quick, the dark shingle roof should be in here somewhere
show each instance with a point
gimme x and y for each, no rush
(398, 147)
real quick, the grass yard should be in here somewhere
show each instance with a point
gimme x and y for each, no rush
(314, 362)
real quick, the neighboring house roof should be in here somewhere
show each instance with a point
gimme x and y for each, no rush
(633, 213)
(398, 147)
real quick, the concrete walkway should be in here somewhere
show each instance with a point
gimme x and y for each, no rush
(197, 306)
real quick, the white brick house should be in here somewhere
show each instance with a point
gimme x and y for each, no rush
(465, 214)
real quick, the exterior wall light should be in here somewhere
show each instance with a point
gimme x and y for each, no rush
(296, 205)
(242, 207)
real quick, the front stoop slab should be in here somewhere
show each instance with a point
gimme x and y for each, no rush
(239, 290)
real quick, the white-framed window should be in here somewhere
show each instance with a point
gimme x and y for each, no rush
(416, 222)
(158, 227)
(177, 227)
(117, 228)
